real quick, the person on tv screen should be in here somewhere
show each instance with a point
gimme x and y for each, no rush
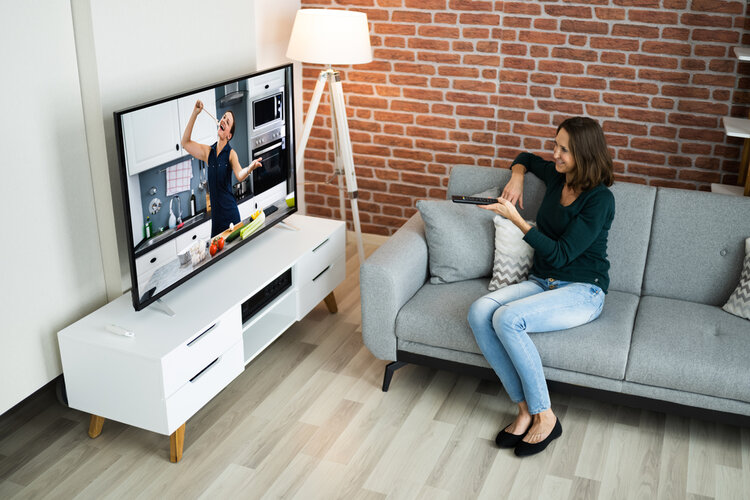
(222, 162)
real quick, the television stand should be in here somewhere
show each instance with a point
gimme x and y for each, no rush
(163, 307)
(176, 364)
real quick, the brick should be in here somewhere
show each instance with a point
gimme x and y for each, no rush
(664, 76)
(675, 4)
(652, 16)
(637, 3)
(361, 76)
(707, 162)
(438, 31)
(633, 87)
(576, 95)
(490, 74)
(722, 66)
(536, 91)
(641, 156)
(409, 16)
(597, 110)
(420, 69)
(678, 49)
(470, 5)
(706, 107)
(544, 79)
(592, 27)
(479, 19)
(416, 81)
(429, 44)
(539, 51)
(423, 94)
(702, 176)
(518, 63)
(724, 95)
(717, 6)
(481, 137)
(534, 130)
(579, 40)
(626, 44)
(460, 71)
(652, 171)
(476, 86)
(481, 60)
(393, 54)
(420, 179)
(568, 11)
(475, 111)
(561, 67)
(612, 71)
(675, 33)
(575, 54)
(583, 82)
(694, 148)
(410, 106)
(541, 37)
(516, 102)
(654, 145)
(445, 18)
(636, 31)
(513, 76)
(662, 103)
(474, 149)
(693, 64)
(466, 97)
(392, 128)
(710, 50)
(476, 33)
(715, 36)
(716, 80)
(508, 140)
(526, 8)
(368, 102)
(513, 88)
(442, 83)
(490, 47)
(545, 24)
(394, 29)
(624, 128)
(642, 115)
(701, 134)
(469, 124)
(726, 152)
(661, 131)
(425, 4)
(613, 57)
(686, 91)
(393, 140)
(653, 61)
(626, 99)
(610, 14)
(438, 57)
(386, 116)
(513, 49)
(706, 20)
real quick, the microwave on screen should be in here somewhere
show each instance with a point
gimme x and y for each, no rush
(268, 109)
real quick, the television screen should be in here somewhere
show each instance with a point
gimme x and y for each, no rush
(204, 172)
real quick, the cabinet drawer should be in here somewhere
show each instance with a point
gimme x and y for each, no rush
(312, 263)
(203, 384)
(156, 258)
(312, 292)
(184, 240)
(181, 364)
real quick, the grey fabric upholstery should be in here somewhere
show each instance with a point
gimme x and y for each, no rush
(697, 246)
(676, 256)
(690, 347)
(436, 315)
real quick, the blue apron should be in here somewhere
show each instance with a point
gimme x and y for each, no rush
(224, 209)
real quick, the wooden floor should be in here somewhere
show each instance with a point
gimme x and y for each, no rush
(307, 419)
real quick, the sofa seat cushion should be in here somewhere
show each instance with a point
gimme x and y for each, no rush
(690, 347)
(436, 316)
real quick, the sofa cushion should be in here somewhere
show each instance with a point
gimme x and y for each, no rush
(436, 316)
(629, 236)
(513, 256)
(690, 347)
(460, 238)
(739, 302)
(697, 245)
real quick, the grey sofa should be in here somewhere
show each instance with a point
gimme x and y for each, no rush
(662, 340)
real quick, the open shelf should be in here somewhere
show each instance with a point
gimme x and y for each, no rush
(737, 127)
(742, 53)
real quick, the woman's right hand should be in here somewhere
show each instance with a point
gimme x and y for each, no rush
(513, 191)
(198, 108)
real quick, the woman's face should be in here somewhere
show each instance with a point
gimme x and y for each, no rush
(225, 125)
(564, 161)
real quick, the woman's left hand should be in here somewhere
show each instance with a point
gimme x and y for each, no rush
(502, 207)
(256, 164)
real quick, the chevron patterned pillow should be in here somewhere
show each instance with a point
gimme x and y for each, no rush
(739, 302)
(513, 256)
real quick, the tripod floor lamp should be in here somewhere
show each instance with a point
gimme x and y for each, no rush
(332, 36)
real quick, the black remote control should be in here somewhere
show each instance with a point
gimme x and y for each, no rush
(473, 200)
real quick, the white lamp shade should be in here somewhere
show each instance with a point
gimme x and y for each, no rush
(330, 36)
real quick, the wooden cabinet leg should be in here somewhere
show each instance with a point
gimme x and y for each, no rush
(176, 440)
(95, 425)
(331, 303)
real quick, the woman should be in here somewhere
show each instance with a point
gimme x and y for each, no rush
(568, 279)
(222, 161)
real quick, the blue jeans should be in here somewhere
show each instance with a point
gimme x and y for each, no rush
(501, 321)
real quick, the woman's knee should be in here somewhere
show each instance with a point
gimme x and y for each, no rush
(481, 311)
(507, 321)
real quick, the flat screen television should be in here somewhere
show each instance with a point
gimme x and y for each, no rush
(188, 195)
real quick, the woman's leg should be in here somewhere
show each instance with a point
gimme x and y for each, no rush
(570, 305)
(480, 320)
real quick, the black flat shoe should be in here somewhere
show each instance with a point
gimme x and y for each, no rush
(508, 440)
(524, 449)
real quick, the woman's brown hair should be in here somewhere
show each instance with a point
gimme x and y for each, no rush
(589, 149)
(231, 130)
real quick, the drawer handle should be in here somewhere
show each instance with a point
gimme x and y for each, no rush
(202, 334)
(317, 247)
(197, 375)
(321, 273)
(153, 259)
(195, 236)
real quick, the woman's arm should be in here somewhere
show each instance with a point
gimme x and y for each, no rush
(538, 166)
(199, 151)
(239, 172)
(513, 191)
(506, 209)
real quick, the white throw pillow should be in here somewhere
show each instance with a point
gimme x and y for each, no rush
(513, 256)
(739, 302)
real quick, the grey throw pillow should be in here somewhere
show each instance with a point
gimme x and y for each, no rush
(513, 256)
(739, 302)
(460, 238)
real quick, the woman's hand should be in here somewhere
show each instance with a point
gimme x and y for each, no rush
(198, 108)
(513, 191)
(506, 209)
(255, 164)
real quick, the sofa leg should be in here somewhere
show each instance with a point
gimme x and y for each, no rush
(389, 369)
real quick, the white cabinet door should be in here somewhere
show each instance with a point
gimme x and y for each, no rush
(152, 137)
(204, 129)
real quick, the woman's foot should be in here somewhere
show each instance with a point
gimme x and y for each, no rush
(542, 426)
(512, 435)
(524, 449)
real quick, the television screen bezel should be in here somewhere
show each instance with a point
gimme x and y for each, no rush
(291, 143)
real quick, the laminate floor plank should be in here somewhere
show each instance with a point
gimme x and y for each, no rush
(308, 419)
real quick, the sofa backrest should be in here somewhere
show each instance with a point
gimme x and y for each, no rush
(697, 245)
(628, 238)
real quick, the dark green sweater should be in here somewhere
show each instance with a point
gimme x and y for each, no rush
(570, 243)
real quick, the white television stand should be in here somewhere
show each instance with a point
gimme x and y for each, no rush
(173, 366)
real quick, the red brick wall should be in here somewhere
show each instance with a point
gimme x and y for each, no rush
(475, 82)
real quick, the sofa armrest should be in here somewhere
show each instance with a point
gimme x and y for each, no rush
(388, 279)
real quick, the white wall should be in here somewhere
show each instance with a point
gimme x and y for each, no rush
(73, 64)
(50, 258)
